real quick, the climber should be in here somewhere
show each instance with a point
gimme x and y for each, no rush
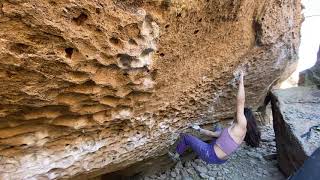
(226, 141)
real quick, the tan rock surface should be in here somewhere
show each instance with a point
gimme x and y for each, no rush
(90, 87)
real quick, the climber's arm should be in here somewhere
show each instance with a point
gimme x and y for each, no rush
(210, 133)
(241, 119)
(204, 131)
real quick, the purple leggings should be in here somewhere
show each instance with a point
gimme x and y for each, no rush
(204, 150)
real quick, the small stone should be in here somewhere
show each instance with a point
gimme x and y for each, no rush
(212, 173)
(198, 161)
(153, 176)
(204, 176)
(193, 163)
(226, 170)
(213, 168)
(184, 173)
(187, 178)
(201, 169)
(162, 176)
(265, 172)
(211, 178)
(173, 174)
(260, 170)
(255, 155)
(179, 177)
(188, 164)
(253, 162)
(272, 169)
(190, 171)
(179, 165)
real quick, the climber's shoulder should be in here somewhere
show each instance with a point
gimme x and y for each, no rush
(237, 132)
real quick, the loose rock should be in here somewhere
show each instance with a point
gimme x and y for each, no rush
(295, 111)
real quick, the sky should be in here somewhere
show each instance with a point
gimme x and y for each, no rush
(310, 41)
(310, 35)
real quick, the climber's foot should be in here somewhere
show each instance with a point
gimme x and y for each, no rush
(174, 156)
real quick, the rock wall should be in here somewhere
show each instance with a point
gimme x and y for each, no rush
(90, 87)
(295, 111)
(311, 76)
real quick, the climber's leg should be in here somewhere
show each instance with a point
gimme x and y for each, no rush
(187, 140)
(203, 150)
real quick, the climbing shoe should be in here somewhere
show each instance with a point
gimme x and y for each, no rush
(174, 156)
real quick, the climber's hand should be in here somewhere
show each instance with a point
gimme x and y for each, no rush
(195, 127)
(241, 74)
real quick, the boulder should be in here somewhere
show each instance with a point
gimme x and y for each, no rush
(91, 87)
(295, 111)
(311, 76)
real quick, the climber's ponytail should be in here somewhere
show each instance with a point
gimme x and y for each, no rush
(253, 135)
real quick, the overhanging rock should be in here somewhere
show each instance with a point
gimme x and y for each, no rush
(90, 87)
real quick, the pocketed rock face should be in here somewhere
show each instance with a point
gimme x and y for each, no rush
(91, 87)
(295, 111)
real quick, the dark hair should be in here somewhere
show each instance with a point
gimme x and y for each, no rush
(253, 135)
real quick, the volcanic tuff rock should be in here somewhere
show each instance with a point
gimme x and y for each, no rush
(90, 87)
(295, 111)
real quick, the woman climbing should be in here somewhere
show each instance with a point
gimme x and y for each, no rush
(226, 141)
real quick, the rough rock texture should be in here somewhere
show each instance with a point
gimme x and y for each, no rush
(311, 76)
(90, 87)
(295, 110)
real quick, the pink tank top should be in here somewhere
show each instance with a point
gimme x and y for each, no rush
(226, 143)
